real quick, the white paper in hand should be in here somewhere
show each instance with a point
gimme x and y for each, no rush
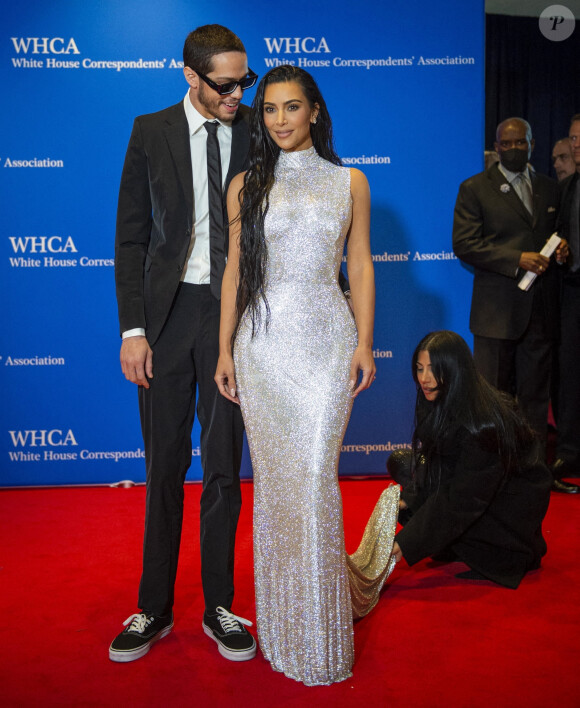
(550, 246)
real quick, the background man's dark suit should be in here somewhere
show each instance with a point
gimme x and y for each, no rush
(491, 229)
(154, 226)
(568, 446)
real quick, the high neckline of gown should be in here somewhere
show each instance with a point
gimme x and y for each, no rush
(298, 159)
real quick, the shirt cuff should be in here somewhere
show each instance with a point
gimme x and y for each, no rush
(137, 332)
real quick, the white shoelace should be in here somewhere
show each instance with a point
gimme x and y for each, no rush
(139, 622)
(229, 621)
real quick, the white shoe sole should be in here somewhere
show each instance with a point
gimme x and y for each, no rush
(232, 655)
(133, 655)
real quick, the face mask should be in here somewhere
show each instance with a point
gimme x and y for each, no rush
(514, 160)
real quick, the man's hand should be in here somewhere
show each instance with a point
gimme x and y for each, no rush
(562, 252)
(137, 360)
(534, 262)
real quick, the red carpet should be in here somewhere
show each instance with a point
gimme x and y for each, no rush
(69, 567)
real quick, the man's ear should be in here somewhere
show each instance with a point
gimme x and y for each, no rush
(191, 77)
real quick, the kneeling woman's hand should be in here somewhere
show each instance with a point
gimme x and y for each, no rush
(397, 553)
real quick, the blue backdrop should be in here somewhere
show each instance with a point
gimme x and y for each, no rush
(404, 86)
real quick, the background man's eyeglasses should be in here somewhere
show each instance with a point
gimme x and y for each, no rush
(223, 89)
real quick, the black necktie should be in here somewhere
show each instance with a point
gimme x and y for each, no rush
(216, 210)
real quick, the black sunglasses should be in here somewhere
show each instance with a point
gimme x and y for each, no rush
(223, 89)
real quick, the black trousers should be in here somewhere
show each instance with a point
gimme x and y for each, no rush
(184, 360)
(568, 419)
(522, 368)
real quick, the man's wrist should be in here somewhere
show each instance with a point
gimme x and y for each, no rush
(136, 332)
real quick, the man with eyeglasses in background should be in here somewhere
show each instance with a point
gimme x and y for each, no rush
(170, 252)
(563, 159)
(503, 217)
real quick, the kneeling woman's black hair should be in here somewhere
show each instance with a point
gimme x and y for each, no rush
(465, 399)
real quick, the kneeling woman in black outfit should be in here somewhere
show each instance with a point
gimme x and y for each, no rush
(474, 489)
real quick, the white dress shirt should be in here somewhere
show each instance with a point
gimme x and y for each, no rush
(198, 266)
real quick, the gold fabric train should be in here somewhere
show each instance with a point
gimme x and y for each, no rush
(371, 564)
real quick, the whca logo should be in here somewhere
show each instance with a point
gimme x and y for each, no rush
(297, 45)
(42, 244)
(44, 45)
(42, 438)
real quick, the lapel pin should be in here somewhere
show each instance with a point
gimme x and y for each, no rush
(505, 188)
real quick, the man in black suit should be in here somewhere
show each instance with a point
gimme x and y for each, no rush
(170, 250)
(502, 219)
(567, 463)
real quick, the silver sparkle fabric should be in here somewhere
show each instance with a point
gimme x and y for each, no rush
(293, 383)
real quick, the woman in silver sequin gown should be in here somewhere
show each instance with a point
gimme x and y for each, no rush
(298, 357)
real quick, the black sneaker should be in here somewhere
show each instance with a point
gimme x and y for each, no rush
(233, 639)
(135, 641)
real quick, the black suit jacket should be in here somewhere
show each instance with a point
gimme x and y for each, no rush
(566, 188)
(155, 213)
(492, 523)
(491, 229)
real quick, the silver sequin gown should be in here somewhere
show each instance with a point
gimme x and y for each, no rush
(293, 383)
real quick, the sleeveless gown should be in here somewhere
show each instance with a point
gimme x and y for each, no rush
(293, 384)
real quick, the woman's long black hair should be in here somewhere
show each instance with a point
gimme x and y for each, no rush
(258, 182)
(465, 399)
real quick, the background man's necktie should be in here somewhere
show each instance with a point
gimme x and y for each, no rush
(524, 192)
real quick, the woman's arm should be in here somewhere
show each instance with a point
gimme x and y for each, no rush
(225, 377)
(362, 281)
(464, 494)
